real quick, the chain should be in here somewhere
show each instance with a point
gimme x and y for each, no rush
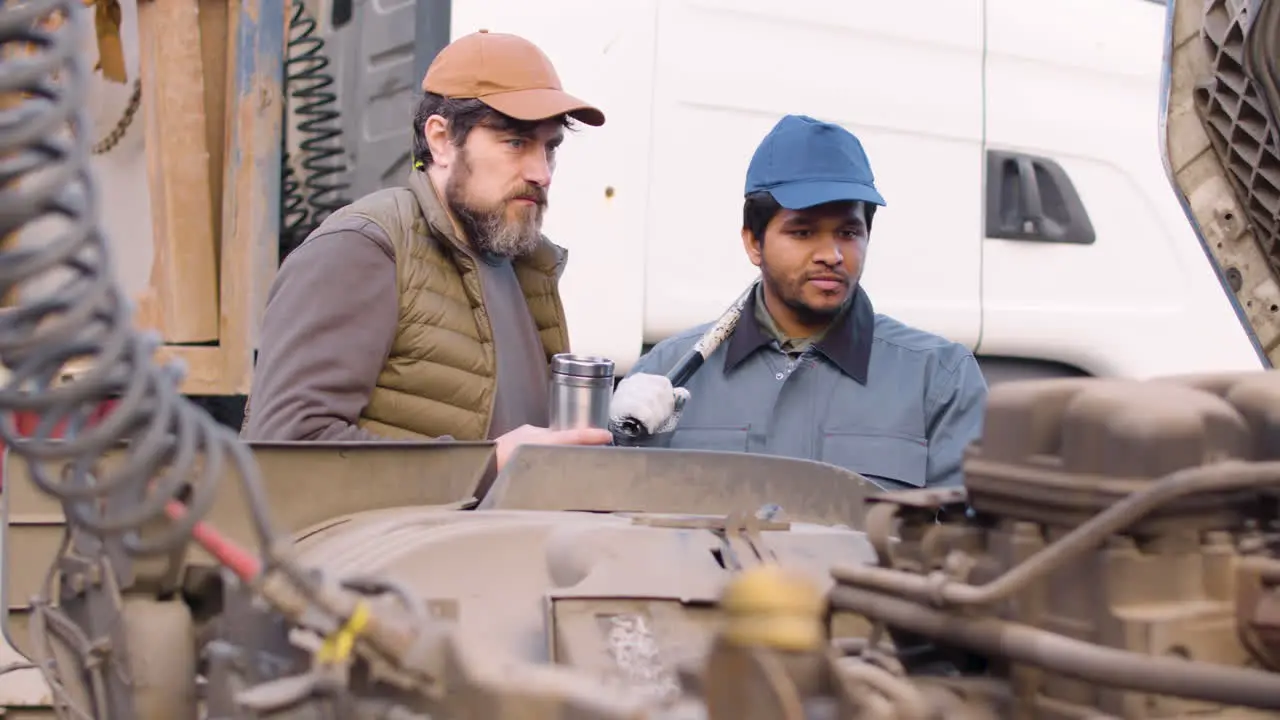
(113, 138)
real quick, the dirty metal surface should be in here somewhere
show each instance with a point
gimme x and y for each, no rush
(693, 482)
(308, 484)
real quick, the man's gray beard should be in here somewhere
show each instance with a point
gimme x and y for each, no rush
(489, 231)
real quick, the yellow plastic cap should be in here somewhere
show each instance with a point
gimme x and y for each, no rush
(774, 607)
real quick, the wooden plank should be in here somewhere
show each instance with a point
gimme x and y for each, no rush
(251, 180)
(184, 272)
(243, 54)
(203, 365)
(205, 368)
(213, 42)
(212, 77)
(248, 87)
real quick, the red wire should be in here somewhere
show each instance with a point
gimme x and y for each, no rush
(234, 557)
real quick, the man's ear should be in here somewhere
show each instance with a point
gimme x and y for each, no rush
(751, 246)
(436, 132)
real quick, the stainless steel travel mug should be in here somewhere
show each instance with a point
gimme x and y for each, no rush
(581, 388)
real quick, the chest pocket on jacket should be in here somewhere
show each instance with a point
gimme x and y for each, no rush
(732, 438)
(892, 462)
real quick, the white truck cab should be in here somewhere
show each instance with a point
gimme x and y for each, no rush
(1016, 142)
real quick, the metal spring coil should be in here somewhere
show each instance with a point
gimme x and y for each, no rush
(294, 225)
(308, 83)
(45, 178)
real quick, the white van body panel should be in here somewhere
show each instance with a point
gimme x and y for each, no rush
(1079, 80)
(650, 204)
(691, 86)
(688, 98)
(599, 201)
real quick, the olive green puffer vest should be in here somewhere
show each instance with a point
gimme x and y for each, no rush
(440, 376)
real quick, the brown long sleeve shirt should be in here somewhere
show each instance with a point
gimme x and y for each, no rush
(332, 314)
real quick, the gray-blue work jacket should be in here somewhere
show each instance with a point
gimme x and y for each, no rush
(892, 403)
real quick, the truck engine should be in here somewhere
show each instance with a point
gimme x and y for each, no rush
(1114, 553)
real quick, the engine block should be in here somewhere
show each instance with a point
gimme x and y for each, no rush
(1114, 535)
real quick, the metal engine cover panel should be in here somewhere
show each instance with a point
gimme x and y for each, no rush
(499, 573)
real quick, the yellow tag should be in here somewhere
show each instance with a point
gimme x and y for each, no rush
(338, 646)
(107, 19)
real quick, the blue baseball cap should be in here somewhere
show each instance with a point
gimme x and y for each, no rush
(803, 162)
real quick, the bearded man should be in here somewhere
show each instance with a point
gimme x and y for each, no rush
(432, 310)
(811, 370)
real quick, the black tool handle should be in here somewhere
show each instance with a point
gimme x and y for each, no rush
(629, 428)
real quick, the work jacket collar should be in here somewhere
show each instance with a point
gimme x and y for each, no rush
(847, 343)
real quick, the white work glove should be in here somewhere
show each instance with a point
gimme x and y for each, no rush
(649, 400)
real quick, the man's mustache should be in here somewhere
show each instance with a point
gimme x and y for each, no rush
(530, 192)
(828, 275)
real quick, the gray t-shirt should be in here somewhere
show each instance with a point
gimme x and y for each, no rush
(331, 316)
(522, 394)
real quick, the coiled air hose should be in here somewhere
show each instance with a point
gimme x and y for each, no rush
(45, 179)
(294, 218)
(308, 97)
(71, 309)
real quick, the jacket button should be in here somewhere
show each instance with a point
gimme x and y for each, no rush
(778, 376)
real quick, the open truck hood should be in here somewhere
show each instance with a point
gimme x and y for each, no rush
(1221, 145)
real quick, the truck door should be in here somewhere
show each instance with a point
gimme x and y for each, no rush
(1088, 258)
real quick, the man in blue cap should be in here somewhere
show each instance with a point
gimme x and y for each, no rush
(811, 371)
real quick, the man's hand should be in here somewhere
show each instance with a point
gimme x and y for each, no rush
(649, 400)
(533, 435)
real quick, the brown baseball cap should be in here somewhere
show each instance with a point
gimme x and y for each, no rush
(507, 73)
